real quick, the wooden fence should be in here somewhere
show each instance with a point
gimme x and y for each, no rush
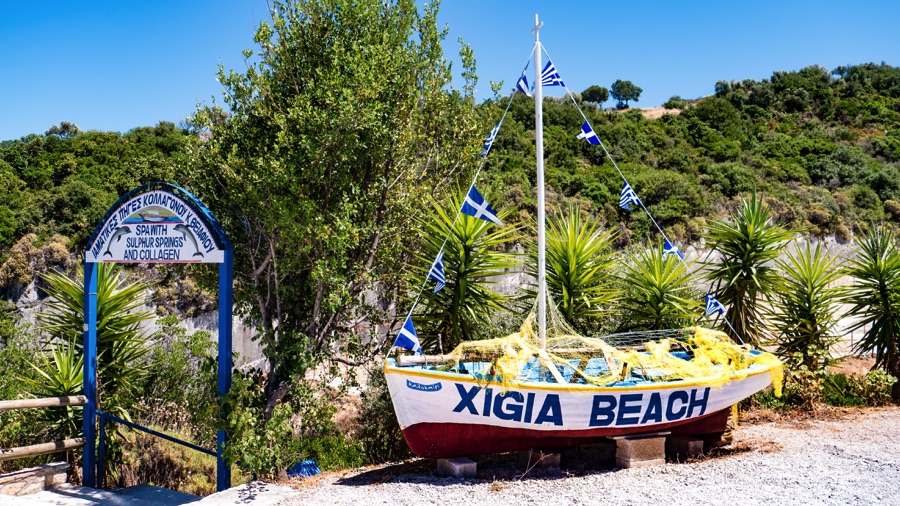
(43, 448)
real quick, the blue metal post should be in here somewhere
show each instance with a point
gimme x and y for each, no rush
(226, 270)
(88, 459)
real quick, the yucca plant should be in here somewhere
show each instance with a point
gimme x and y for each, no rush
(120, 342)
(749, 242)
(875, 299)
(121, 345)
(59, 373)
(467, 308)
(805, 310)
(580, 262)
(656, 292)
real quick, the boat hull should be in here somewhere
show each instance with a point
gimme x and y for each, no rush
(444, 415)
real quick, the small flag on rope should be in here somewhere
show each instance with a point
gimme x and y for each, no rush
(476, 206)
(490, 140)
(437, 273)
(628, 197)
(671, 249)
(588, 134)
(522, 85)
(407, 338)
(713, 306)
(550, 77)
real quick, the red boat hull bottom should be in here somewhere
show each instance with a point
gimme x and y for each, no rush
(448, 440)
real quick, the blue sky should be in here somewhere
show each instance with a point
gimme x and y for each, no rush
(116, 65)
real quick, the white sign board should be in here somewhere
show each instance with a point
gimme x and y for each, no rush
(154, 227)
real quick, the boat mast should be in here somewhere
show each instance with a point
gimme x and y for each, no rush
(539, 153)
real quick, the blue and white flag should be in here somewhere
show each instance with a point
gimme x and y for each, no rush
(476, 206)
(407, 338)
(671, 249)
(522, 85)
(628, 197)
(437, 273)
(713, 306)
(490, 140)
(588, 133)
(550, 77)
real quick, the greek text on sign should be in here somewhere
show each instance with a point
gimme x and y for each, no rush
(156, 226)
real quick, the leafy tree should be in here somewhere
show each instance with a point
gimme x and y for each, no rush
(623, 91)
(579, 261)
(656, 292)
(339, 129)
(744, 275)
(875, 299)
(805, 310)
(467, 307)
(121, 344)
(595, 94)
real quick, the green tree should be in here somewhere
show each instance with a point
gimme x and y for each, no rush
(875, 299)
(121, 345)
(341, 126)
(467, 307)
(579, 260)
(804, 311)
(745, 275)
(623, 91)
(657, 292)
(596, 95)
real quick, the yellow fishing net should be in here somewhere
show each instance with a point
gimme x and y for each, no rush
(694, 353)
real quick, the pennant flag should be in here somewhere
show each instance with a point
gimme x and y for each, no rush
(437, 273)
(490, 140)
(522, 85)
(407, 338)
(713, 306)
(588, 134)
(628, 197)
(476, 206)
(671, 249)
(550, 77)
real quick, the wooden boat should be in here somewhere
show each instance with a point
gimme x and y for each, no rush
(536, 390)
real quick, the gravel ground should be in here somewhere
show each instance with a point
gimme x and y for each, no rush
(850, 457)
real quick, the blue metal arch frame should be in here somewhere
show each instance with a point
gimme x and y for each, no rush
(226, 277)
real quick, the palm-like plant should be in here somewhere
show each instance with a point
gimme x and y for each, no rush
(804, 311)
(748, 244)
(60, 373)
(579, 261)
(467, 307)
(875, 298)
(656, 292)
(120, 342)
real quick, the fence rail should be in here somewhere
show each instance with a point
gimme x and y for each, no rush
(42, 448)
(47, 402)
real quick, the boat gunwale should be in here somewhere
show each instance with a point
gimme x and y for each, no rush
(575, 387)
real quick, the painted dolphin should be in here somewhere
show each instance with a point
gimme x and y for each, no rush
(116, 237)
(186, 233)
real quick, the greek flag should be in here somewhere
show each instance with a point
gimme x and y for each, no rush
(437, 273)
(588, 134)
(522, 85)
(490, 140)
(550, 77)
(671, 249)
(407, 338)
(628, 197)
(476, 206)
(713, 306)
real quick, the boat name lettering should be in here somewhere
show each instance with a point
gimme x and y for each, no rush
(511, 405)
(643, 408)
(434, 387)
